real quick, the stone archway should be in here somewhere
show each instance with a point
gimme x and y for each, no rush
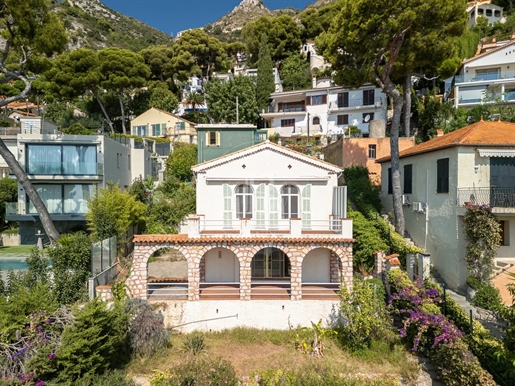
(219, 275)
(167, 271)
(316, 266)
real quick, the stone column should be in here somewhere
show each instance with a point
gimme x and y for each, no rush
(379, 264)
(194, 276)
(296, 274)
(245, 276)
(336, 273)
(424, 265)
(410, 265)
(346, 265)
(136, 283)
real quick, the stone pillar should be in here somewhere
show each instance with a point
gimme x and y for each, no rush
(194, 277)
(245, 276)
(104, 292)
(336, 273)
(136, 283)
(392, 262)
(346, 266)
(296, 275)
(424, 265)
(410, 265)
(202, 270)
(379, 264)
(295, 227)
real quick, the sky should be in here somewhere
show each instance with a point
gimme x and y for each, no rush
(172, 16)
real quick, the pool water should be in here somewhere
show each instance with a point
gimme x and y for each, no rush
(6, 264)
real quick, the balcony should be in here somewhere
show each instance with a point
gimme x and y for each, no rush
(355, 103)
(493, 197)
(289, 228)
(66, 168)
(473, 78)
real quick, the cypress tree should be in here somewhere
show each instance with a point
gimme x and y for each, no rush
(265, 77)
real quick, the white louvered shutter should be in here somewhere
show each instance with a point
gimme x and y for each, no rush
(260, 206)
(273, 198)
(306, 207)
(227, 206)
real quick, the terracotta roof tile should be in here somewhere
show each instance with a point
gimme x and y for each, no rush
(184, 239)
(482, 133)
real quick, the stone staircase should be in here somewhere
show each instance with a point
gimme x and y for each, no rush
(500, 267)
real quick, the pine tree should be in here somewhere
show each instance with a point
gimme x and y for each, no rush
(265, 76)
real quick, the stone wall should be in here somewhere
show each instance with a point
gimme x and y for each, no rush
(296, 250)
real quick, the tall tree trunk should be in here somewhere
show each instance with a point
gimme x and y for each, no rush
(106, 116)
(122, 111)
(407, 105)
(21, 176)
(390, 89)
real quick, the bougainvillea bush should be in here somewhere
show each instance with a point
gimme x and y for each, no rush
(427, 331)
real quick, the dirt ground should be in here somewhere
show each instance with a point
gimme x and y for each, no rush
(169, 264)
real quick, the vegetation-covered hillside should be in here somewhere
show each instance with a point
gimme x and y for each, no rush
(93, 25)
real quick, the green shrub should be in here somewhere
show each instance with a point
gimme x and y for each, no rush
(487, 297)
(473, 282)
(364, 313)
(93, 344)
(147, 333)
(71, 267)
(194, 344)
(207, 372)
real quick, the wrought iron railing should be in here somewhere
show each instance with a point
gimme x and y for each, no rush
(493, 197)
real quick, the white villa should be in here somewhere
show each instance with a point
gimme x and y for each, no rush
(269, 246)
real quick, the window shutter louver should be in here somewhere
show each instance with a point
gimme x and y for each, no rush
(306, 207)
(260, 205)
(308, 101)
(273, 198)
(324, 99)
(217, 138)
(227, 206)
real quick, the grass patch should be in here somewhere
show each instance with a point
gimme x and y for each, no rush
(251, 351)
(16, 250)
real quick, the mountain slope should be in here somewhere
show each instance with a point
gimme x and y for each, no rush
(92, 24)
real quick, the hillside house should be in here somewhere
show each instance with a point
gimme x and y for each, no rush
(159, 123)
(493, 13)
(474, 164)
(269, 246)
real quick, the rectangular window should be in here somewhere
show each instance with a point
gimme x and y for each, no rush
(343, 99)
(368, 97)
(118, 155)
(372, 151)
(390, 186)
(367, 117)
(505, 232)
(213, 138)
(129, 161)
(442, 175)
(61, 159)
(63, 199)
(408, 178)
(318, 99)
(140, 130)
(287, 122)
(156, 130)
(342, 119)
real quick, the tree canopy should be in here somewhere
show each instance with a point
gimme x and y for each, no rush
(221, 99)
(295, 73)
(380, 41)
(282, 32)
(265, 84)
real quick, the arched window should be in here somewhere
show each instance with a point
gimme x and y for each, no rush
(243, 201)
(316, 121)
(289, 202)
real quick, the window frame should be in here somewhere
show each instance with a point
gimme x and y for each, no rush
(390, 184)
(442, 175)
(372, 151)
(288, 122)
(244, 197)
(368, 97)
(344, 118)
(212, 138)
(292, 200)
(342, 99)
(408, 179)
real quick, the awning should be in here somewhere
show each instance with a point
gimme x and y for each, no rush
(496, 152)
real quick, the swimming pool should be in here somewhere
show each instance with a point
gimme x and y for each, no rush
(6, 264)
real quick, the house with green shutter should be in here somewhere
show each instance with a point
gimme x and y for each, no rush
(217, 140)
(270, 244)
(159, 123)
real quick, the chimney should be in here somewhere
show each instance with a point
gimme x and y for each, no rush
(439, 132)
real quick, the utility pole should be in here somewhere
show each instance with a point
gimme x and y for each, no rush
(308, 130)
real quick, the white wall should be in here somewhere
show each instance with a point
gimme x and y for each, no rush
(316, 266)
(212, 315)
(442, 235)
(223, 267)
(117, 164)
(268, 167)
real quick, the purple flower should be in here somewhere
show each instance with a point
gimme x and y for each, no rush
(39, 383)
(40, 328)
(51, 356)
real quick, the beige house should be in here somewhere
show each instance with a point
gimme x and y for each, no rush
(159, 123)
